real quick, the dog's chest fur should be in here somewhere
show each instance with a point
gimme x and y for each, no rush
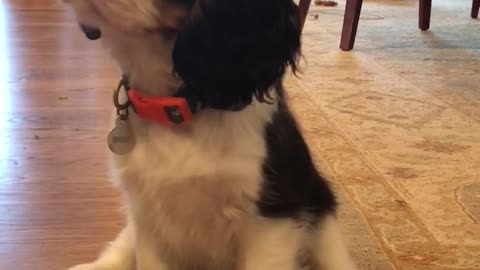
(192, 192)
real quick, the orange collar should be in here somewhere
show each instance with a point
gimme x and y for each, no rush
(166, 111)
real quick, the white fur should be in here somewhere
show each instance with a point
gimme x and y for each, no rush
(330, 248)
(194, 189)
(273, 244)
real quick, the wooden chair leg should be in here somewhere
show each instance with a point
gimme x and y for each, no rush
(475, 8)
(425, 9)
(353, 9)
(304, 6)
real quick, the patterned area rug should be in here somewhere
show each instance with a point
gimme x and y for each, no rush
(395, 125)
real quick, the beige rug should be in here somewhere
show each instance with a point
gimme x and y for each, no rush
(396, 125)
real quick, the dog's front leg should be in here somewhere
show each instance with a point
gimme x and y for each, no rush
(330, 251)
(148, 257)
(273, 244)
(120, 255)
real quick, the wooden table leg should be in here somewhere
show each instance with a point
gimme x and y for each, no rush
(425, 9)
(353, 9)
(304, 6)
(475, 8)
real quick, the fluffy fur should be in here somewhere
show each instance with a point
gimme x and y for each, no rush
(237, 189)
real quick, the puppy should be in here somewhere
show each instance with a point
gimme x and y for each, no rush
(215, 172)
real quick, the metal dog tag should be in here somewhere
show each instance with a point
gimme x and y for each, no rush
(121, 141)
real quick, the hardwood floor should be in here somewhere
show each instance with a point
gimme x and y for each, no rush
(56, 205)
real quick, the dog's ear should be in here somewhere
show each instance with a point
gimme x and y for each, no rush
(232, 51)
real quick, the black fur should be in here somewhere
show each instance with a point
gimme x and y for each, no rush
(293, 188)
(231, 51)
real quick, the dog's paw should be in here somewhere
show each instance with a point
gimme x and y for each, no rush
(87, 266)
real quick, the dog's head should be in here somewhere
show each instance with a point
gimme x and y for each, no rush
(223, 52)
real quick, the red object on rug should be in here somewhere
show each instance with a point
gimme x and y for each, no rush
(326, 3)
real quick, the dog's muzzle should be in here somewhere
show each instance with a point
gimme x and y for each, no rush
(91, 32)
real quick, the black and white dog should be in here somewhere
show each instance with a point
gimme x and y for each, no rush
(215, 172)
